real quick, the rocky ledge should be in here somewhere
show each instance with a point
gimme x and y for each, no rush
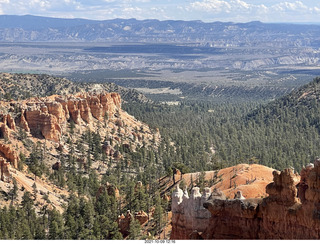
(291, 211)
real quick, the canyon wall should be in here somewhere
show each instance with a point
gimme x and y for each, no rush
(46, 116)
(291, 211)
(54, 120)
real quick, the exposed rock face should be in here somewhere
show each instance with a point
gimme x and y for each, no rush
(42, 121)
(142, 217)
(103, 104)
(8, 158)
(110, 189)
(281, 215)
(47, 116)
(303, 184)
(4, 131)
(8, 153)
(283, 190)
(23, 122)
(124, 221)
(233, 219)
(8, 120)
(188, 213)
(250, 179)
(7, 125)
(4, 170)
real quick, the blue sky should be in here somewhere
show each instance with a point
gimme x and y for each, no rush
(205, 10)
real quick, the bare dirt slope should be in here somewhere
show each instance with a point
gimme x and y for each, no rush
(251, 179)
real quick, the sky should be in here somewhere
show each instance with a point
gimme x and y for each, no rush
(205, 10)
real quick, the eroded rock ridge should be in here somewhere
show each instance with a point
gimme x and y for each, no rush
(54, 120)
(291, 211)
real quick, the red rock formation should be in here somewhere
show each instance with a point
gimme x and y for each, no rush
(64, 104)
(85, 111)
(23, 122)
(142, 217)
(283, 190)
(8, 153)
(4, 170)
(72, 105)
(303, 184)
(95, 106)
(44, 122)
(4, 129)
(111, 103)
(46, 116)
(281, 215)
(103, 104)
(124, 221)
(111, 190)
(9, 121)
(56, 109)
(7, 125)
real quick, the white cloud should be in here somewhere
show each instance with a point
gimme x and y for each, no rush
(316, 9)
(239, 10)
(206, 10)
(285, 6)
(130, 11)
(229, 7)
(39, 7)
(211, 5)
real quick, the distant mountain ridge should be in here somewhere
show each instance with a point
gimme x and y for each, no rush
(30, 22)
(33, 28)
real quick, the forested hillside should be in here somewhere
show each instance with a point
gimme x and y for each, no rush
(280, 134)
